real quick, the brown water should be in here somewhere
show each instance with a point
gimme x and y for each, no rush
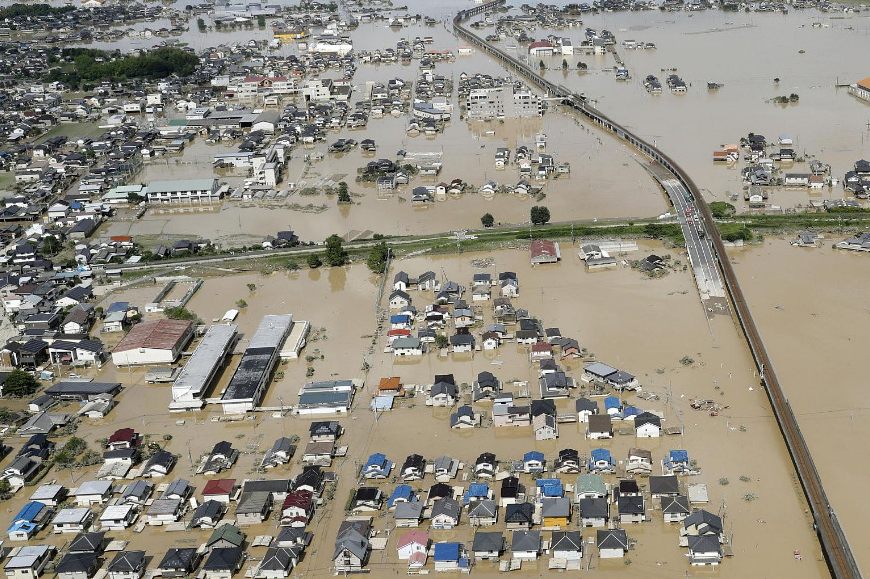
(745, 51)
(645, 326)
(810, 308)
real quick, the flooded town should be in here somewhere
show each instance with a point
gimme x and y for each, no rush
(311, 288)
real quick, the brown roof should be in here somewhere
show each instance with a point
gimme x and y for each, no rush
(864, 83)
(159, 334)
(390, 384)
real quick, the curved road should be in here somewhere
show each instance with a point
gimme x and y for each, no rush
(833, 541)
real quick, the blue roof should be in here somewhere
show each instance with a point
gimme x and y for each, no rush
(118, 307)
(446, 551)
(400, 319)
(550, 487)
(377, 459)
(679, 456)
(533, 455)
(29, 511)
(611, 402)
(401, 492)
(25, 526)
(601, 454)
(478, 489)
(630, 411)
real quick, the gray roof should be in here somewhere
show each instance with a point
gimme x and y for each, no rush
(178, 558)
(253, 502)
(198, 371)
(566, 541)
(612, 539)
(487, 541)
(675, 505)
(446, 506)
(485, 508)
(407, 510)
(171, 185)
(127, 561)
(223, 559)
(555, 507)
(526, 540)
(594, 508)
(664, 485)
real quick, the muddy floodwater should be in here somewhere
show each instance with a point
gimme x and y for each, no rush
(810, 306)
(653, 328)
(808, 51)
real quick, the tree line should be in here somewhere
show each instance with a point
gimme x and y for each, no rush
(89, 65)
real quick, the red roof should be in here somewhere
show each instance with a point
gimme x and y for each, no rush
(543, 247)
(541, 347)
(541, 44)
(220, 486)
(301, 499)
(123, 435)
(399, 332)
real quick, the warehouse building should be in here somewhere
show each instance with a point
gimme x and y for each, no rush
(249, 381)
(184, 191)
(153, 342)
(202, 367)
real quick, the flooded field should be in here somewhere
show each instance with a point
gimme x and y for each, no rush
(646, 326)
(809, 306)
(745, 52)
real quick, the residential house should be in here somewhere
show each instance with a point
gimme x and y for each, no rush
(612, 543)
(225, 536)
(377, 467)
(594, 512)
(601, 461)
(77, 566)
(555, 512)
(526, 544)
(127, 565)
(179, 562)
(675, 509)
(647, 425)
(450, 557)
(118, 517)
(599, 426)
(585, 408)
(664, 486)
(72, 520)
(483, 513)
(32, 517)
(220, 490)
(208, 514)
(254, 507)
(408, 514)
(367, 499)
(223, 562)
(28, 562)
(352, 547)
(704, 550)
(486, 465)
(519, 516)
(566, 545)
(568, 462)
(445, 513)
(278, 562)
(487, 545)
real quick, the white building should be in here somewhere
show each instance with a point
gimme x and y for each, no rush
(184, 191)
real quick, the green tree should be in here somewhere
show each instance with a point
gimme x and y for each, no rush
(292, 265)
(441, 341)
(261, 21)
(487, 220)
(51, 245)
(20, 383)
(539, 215)
(313, 261)
(180, 313)
(541, 64)
(564, 64)
(200, 23)
(722, 210)
(241, 304)
(335, 253)
(377, 260)
(582, 66)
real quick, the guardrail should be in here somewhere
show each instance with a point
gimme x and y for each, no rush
(835, 546)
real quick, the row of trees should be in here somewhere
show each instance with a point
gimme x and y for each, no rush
(18, 9)
(538, 215)
(90, 65)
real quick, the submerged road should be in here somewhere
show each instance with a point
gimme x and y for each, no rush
(835, 547)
